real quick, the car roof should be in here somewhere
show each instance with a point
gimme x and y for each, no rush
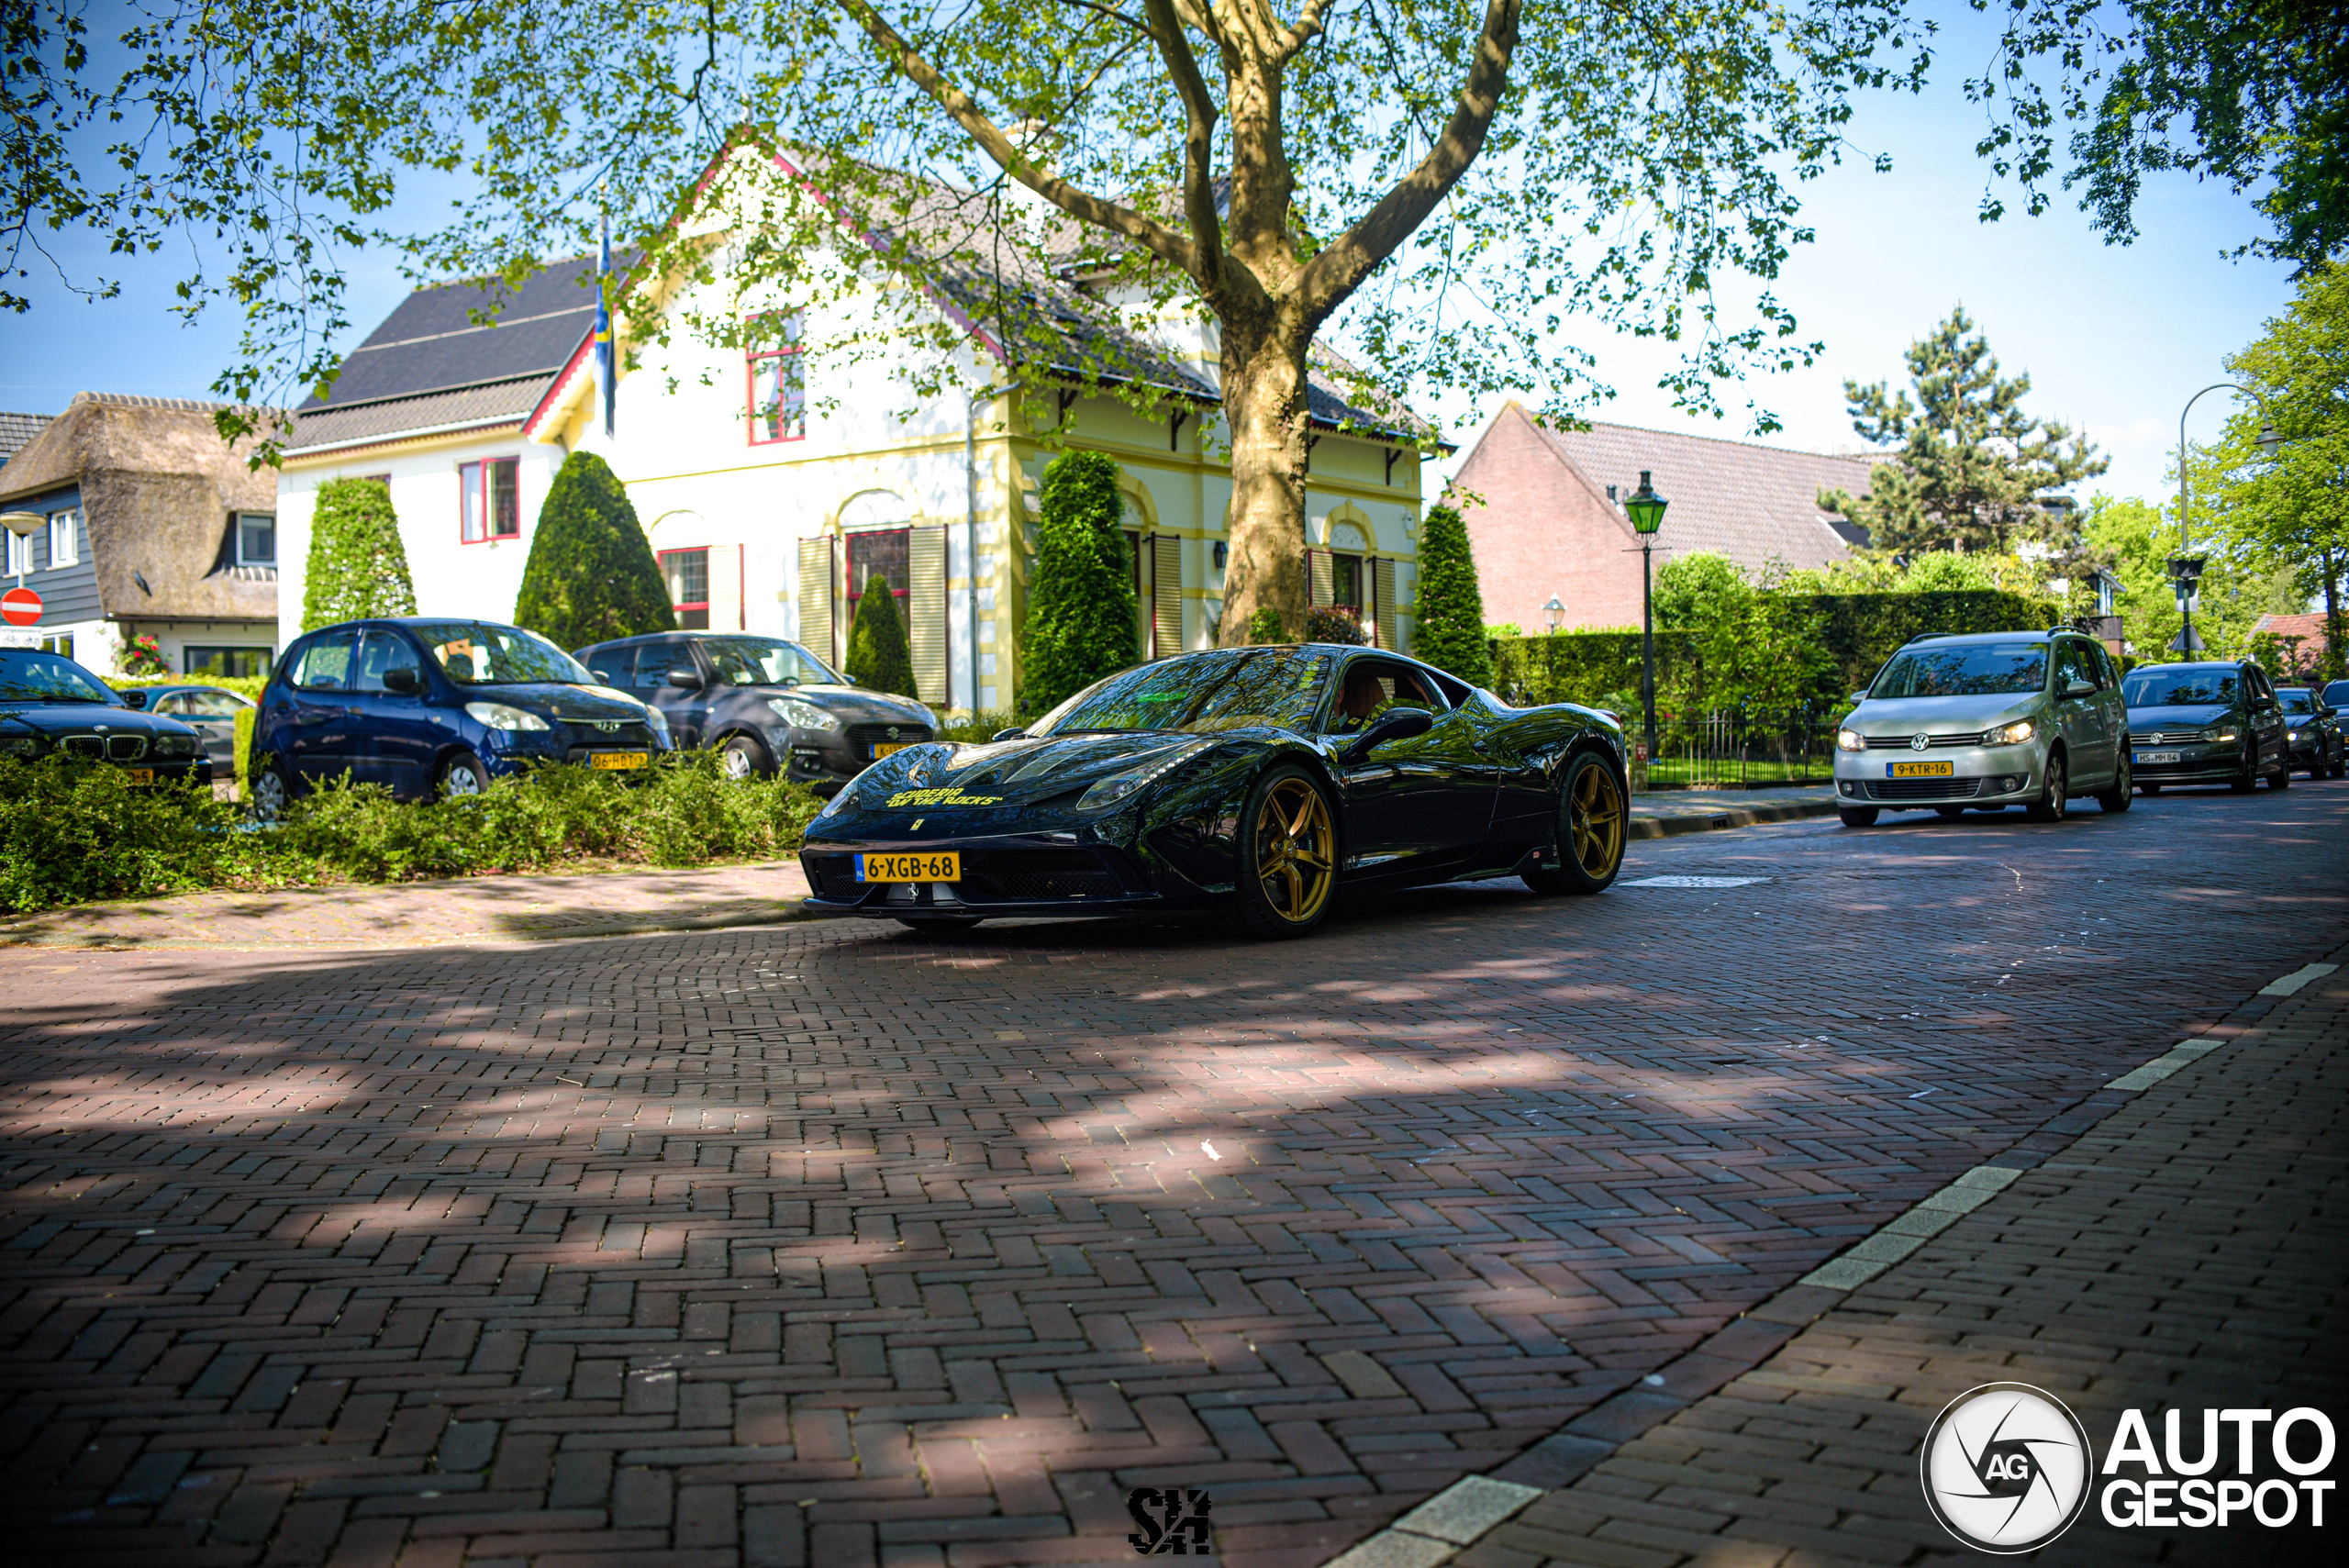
(2039, 634)
(2198, 665)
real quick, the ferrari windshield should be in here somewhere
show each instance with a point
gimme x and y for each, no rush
(1199, 693)
(764, 661)
(1964, 670)
(483, 653)
(2210, 685)
(28, 676)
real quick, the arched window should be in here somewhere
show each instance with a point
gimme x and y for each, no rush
(876, 526)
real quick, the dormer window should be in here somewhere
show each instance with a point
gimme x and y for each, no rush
(256, 538)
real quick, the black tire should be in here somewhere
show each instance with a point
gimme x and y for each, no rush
(1949, 811)
(2283, 777)
(743, 757)
(938, 925)
(273, 791)
(1288, 856)
(2116, 799)
(1856, 815)
(2055, 795)
(2246, 780)
(460, 775)
(1593, 820)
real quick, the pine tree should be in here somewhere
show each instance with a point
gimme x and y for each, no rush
(358, 568)
(879, 657)
(1972, 464)
(591, 575)
(1081, 611)
(1451, 631)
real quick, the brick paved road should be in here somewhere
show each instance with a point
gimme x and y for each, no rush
(834, 1244)
(2183, 1254)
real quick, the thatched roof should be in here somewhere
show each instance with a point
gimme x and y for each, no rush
(158, 488)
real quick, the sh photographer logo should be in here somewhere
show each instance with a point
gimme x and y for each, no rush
(1174, 1522)
(2007, 1468)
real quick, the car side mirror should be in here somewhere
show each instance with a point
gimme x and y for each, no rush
(2076, 687)
(405, 679)
(1011, 735)
(1858, 697)
(135, 697)
(1396, 723)
(687, 679)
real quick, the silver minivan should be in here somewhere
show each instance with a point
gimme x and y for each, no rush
(1983, 722)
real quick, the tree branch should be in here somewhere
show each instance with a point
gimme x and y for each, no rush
(1198, 140)
(1307, 28)
(1158, 239)
(1340, 270)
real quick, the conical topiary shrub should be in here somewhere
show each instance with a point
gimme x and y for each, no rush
(591, 575)
(1081, 612)
(878, 654)
(1450, 633)
(357, 566)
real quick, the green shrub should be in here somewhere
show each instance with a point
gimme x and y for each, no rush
(973, 728)
(878, 654)
(1334, 623)
(1264, 628)
(1450, 630)
(591, 575)
(246, 718)
(243, 686)
(1081, 609)
(71, 831)
(358, 567)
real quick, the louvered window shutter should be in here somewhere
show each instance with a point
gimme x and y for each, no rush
(726, 588)
(1166, 595)
(1383, 585)
(1322, 585)
(926, 610)
(816, 585)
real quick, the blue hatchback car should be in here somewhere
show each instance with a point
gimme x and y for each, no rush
(430, 705)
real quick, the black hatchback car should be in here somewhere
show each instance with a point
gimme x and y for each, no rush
(762, 702)
(2312, 730)
(2217, 722)
(49, 704)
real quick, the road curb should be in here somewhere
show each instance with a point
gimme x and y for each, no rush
(1717, 821)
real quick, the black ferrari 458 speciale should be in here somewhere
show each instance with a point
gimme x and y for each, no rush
(1256, 783)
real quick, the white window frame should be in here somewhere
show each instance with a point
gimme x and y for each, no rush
(64, 538)
(269, 517)
(19, 559)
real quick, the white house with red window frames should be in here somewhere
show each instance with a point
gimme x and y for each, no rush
(776, 481)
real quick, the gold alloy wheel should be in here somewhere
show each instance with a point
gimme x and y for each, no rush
(1294, 845)
(1594, 821)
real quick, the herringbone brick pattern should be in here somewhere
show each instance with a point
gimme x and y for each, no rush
(836, 1245)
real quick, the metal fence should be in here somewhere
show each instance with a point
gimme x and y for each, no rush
(1727, 751)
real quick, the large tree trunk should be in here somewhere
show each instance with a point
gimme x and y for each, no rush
(2333, 652)
(1264, 399)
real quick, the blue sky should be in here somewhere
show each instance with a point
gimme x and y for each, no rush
(2115, 340)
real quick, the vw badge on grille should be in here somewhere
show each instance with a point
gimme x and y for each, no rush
(1919, 742)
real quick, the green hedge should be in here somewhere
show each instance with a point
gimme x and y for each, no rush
(71, 831)
(1601, 669)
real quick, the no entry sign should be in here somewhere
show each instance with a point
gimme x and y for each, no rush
(21, 606)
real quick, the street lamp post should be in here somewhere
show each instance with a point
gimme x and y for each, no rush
(1645, 508)
(1554, 612)
(2187, 571)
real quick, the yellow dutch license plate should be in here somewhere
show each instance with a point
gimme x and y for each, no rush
(883, 748)
(141, 775)
(618, 760)
(1921, 770)
(944, 865)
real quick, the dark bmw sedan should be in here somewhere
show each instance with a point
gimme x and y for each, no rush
(426, 706)
(764, 703)
(49, 704)
(2207, 723)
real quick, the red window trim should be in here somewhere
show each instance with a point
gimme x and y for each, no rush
(702, 549)
(752, 356)
(485, 465)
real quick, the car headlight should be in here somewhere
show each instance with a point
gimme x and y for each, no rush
(504, 715)
(1850, 740)
(20, 746)
(177, 745)
(657, 721)
(1120, 787)
(2221, 734)
(803, 715)
(2014, 734)
(2292, 735)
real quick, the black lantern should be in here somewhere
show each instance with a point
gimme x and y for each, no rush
(1645, 508)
